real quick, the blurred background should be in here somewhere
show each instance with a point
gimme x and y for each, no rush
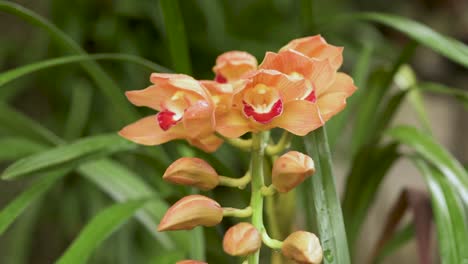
(137, 27)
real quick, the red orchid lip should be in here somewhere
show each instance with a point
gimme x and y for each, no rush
(311, 97)
(264, 118)
(219, 78)
(166, 119)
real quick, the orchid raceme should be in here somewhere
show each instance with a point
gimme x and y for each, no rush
(297, 89)
(186, 111)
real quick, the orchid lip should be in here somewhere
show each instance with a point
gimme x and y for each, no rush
(311, 97)
(167, 119)
(219, 78)
(263, 118)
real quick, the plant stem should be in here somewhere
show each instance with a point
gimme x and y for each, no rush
(259, 142)
(235, 212)
(235, 182)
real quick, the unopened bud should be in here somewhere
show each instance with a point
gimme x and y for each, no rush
(189, 261)
(290, 170)
(241, 240)
(303, 247)
(191, 211)
(193, 172)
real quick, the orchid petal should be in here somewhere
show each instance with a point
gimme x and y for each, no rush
(299, 117)
(147, 131)
(233, 124)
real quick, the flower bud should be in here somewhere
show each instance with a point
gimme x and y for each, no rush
(192, 171)
(189, 261)
(290, 170)
(241, 240)
(191, 211)
(303, 247)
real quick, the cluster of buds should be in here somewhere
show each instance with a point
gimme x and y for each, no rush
(297, 89)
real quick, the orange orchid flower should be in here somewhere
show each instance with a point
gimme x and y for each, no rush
(268, 99)
(186, 111)
(317, 48)
(231, 65)
(324, 85)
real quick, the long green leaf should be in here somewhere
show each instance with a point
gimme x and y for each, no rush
(13, 148)
(446, 46)
(17, 124)
(73, 153)
(427, 147)
(79, 110)
(13, 74)
(28, 196)
(108, 87)
(450, 216)
(175, 33)
(122, 184)
(98, 229)
(322, 188)
(362, 184)
(459, 94)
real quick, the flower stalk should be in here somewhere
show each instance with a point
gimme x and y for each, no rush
(259, 143)
(234, 212)
(235, 182)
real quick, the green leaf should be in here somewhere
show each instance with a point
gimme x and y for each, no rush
(322, 189)
(19, 125)
(449, 212)
(122, 184)
(98, 229)
(79, 110)
(175, 33)
(28, 196)
(18, 72)
(370, 166)
(425, 146)
(17, 147)
(108, 87)
(68, 155)
(446, 46)
(458, 94)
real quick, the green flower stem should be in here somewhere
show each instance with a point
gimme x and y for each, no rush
(229, 211)
(259, 142)
(283, 143)
(270, 242)
(235, 182)
(242, 144)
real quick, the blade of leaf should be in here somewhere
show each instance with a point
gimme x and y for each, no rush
(68, 155)
(175, 33)
(325, 197)
(362, 184)
(449, 213)
(17, 124)
(8, 76)
(99, 229)
(119, 183)
(28, 196)
(17, 147)
(80, 107)
(436, 154)
(122, 184)
(459, 94)
(449, 47)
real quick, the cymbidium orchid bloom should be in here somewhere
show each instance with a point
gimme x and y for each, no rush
(193, 172)
(267, 100)
(324, 86)
(317, 48)
(231, 65)
(186, 111)
(241, 240)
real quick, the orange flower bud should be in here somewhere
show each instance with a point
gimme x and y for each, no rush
(241, 240)
(291, 169)
(189, 261)
(192, 171)
(303, 247)
(191, 211)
